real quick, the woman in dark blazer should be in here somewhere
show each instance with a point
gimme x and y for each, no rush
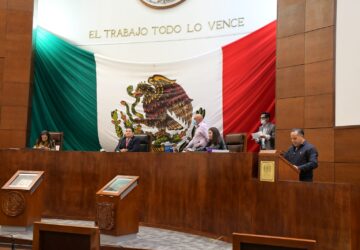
(215, 139)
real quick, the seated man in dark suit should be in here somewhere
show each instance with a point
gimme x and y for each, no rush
(302, 155)
(129, 143)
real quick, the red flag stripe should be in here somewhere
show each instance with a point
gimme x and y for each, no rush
(249, 81)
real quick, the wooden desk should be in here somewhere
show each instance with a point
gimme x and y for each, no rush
(197, 192)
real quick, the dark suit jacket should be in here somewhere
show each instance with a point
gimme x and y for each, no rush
(268, 129)
(133, 146)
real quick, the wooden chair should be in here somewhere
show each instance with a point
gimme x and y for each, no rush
(58, 137)
(236, 142)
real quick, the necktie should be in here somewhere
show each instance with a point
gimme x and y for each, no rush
(127, 142)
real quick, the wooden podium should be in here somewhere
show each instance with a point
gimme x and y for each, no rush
(48, 236)
(117, 206)
(266, 242)
(21, 199)
(274, 167)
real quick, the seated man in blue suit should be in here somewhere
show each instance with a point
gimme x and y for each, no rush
(129, 143)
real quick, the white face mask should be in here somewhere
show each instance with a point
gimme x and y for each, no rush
(263, 121)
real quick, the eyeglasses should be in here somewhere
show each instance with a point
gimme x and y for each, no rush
(263, 117)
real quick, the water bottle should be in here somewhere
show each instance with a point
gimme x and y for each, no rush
(168, 147)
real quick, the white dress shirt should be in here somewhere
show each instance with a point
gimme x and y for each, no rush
(200, 138)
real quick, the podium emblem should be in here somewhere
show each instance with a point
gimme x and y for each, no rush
(105, 215)
(13, 203)
(267, 171)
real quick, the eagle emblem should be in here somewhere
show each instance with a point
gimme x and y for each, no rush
(167, 111)
(164, 102)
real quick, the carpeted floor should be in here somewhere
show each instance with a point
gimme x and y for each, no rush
(146, 238)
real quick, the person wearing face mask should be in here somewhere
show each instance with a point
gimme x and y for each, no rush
(200, 139)
(266, 132)
(302, 155)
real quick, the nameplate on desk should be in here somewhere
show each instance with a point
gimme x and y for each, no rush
(267, 171)
(220, 151)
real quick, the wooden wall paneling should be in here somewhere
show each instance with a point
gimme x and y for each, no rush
(355, 215)
(319, 111)
(347, 173)
(319, 78)
(290, 82)
(319, 45)
(232, 177)
(74, 187)
(282, 140)
(15, 94)
(19, 46)
(16, 50)
(12, 138)
(14, 117)
(3, 4)
(19, 22)
(347, 149)
(290, 113)
(19, 51)
(1, 77)
(292, 216)
(290, 51)
(323, 140)
(291, 17)
(263, 224)
(319, 14)
(2, 31)
(244, 201)
(23, 5)
(17, 69)
(186, 186)
(196, 191)
(325, 172)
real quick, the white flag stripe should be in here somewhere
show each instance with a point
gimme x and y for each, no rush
(200, 77)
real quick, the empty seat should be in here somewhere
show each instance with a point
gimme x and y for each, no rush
(236, 142)
(144, 142)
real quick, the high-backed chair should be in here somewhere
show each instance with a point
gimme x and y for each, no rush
(236, 142)
(58, 137)
(144, 142)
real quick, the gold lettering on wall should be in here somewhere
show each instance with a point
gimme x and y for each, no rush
(230, 25)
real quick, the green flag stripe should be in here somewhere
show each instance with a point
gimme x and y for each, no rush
(64, 92)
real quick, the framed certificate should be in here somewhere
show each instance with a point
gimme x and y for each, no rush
(120, 185)
(24, 180)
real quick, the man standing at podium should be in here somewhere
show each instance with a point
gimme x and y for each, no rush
(302, 155)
